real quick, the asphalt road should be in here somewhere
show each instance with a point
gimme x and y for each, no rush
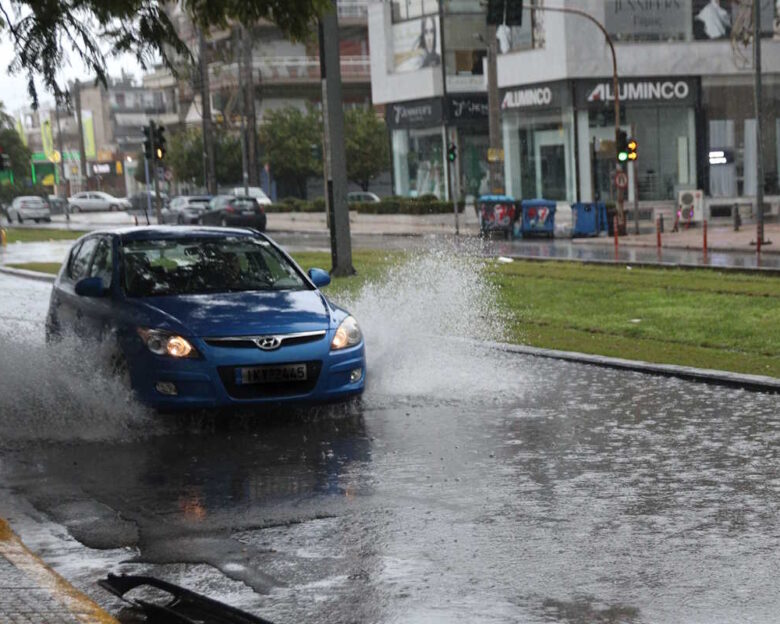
(467, 485)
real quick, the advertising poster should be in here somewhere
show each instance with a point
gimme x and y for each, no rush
(416, 44)
(715, 19)
(47, 139)
(88, 126)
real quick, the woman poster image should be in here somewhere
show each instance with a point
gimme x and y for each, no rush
(710, 20)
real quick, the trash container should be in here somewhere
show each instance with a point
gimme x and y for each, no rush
(497, 213)
(538, 217)
(588, 219)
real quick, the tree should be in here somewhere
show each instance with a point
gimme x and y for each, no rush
(228, 157)
(43, 31)
(185, 155)
(365, 142)
(289, 142)
(12, 144)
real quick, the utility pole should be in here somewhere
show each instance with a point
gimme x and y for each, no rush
(80, 123)
(336, 191)
(63, 182)
(249, 106)
(209, 159)
(494, 115)
(758, 109)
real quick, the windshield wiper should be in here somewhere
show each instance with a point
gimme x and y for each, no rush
(185, 606)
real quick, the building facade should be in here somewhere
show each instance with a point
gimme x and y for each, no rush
(686, 92)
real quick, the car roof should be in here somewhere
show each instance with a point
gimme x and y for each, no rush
(29, 197)
(152, 232)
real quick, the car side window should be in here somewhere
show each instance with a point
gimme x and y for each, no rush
(80, 263)
(102, 263)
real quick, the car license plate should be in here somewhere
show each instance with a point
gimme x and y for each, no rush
(247, 212)
(271, 374)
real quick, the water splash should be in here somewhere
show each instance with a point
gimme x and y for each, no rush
(62, 392)
(416, 319)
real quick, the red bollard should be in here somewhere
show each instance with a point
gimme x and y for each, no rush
(658, 233)
(704, 235)
(759, 236)
(615, 230)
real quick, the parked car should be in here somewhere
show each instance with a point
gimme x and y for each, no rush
(26, 207)
(252, 191)
(139, 202)
(93, 201)
(230, 210)
(207, 317)
(57, 205)
(186, 209)
(362, 197)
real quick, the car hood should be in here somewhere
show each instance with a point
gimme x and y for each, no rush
(242, 313)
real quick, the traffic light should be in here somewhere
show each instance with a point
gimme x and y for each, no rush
(495, 12)
(514, 13)
(622, 146)
(452, 152)
(509, 12)
(159, 142)
(148, 142)
(632, 145)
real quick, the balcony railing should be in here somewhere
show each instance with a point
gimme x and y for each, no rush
(290, 69)
(352, 9)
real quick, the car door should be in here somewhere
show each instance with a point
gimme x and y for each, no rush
(97, 313)
(67, 306)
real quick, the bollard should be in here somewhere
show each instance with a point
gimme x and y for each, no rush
(704, 235)
(135, 217)
(737, 218)
(661, 220)
(615, 230)
(658, 232)
(2, 237)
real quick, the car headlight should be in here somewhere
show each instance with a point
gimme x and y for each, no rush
(347, 335)
(165, 343)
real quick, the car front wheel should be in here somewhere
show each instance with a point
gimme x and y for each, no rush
(19, 218)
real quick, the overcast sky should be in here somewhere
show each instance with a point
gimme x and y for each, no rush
(13, 89)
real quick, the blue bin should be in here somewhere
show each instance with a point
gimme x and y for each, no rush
(588, 219)
(538, 218)
(497, 213)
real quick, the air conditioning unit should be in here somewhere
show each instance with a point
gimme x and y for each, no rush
(690, 206)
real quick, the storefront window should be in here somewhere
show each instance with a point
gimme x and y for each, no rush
(418, 162)
(473, 149)
(412, 9)
(539, 155)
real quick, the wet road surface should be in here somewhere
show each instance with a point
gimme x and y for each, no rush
(467, 485)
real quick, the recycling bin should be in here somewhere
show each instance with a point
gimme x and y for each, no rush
(538, 218)
(588, 219)
(497, 213)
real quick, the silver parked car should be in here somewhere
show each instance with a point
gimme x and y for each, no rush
(93, 201)
(186, 209)
(29, 207)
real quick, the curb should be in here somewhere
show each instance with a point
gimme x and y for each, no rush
(43, 578)
(33, 275)
(754, 383)
(651, 265)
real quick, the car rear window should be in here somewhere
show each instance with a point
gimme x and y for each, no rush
(200, 265)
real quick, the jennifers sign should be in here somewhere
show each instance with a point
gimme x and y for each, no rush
(652, 91)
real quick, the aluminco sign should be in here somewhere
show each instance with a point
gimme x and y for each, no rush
(524, 98)
(639, 91)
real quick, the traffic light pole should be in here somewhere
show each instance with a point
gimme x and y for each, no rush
(157, 198)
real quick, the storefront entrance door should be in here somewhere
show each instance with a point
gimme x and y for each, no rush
(552, 166)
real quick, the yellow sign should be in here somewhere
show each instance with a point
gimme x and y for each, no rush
(495, 154)
(89, 134)
(48, 180)
(105, 154)
(47, 141)
(56, 156)
(119, 169)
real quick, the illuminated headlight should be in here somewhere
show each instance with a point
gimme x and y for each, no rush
(347, 335)
(165, 343)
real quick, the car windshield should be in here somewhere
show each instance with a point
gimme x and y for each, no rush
(191, 266)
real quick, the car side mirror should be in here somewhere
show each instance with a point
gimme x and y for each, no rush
(91, 287)
(319, 277)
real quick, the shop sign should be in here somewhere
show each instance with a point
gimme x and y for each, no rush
(101, 168)
(468, 107)
(656, 19)
(419, 113)
(658, 91)
(550, 95)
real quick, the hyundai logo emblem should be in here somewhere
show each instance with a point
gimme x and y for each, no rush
(268, 343)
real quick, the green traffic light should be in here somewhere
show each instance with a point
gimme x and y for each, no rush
(623, 156)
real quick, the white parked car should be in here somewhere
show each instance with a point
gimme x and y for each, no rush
(29, 207)
(362, 197)
(252, 191)
(93, 201)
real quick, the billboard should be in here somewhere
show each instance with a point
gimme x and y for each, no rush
(416, 44)
(88, 126)
(714, 19)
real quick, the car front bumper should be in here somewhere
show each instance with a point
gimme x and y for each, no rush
(208, 381)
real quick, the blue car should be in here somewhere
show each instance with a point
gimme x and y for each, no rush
(201, 317)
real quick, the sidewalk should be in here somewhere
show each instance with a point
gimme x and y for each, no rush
(32, 593)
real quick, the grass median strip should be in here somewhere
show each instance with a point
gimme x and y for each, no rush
(704, 319)
(37, 235)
